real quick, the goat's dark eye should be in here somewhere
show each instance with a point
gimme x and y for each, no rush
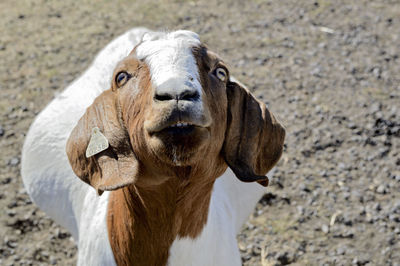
(221, 73)
(122, 78)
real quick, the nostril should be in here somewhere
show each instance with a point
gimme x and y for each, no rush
(163, 97)
(186, 95)
(189, 95)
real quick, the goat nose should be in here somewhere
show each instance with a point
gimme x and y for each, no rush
(187, 94)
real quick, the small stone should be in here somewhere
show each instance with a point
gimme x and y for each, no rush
(392, 240)
(377, 206)
(12, 204)
(242, 246)
(347, 220)
(394, 218)
(45, 254)
(53, 261)
(11, 213)
(325, 228)
(300, 209)
(13, 162)
(381, 189)
(256, 250)
(6, 180)
(396, 207)
(12, 244)
(341, 250)
(375, 107)
(377, 72)
(284, 258)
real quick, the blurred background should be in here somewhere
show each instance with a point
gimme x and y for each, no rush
(329, 70)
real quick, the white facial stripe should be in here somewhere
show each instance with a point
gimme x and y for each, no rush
(169, 56)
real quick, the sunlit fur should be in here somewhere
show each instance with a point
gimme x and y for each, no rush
(52, 185)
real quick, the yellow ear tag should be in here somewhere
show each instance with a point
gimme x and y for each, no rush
(98, 143)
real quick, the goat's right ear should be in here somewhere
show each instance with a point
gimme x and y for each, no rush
(114, 167)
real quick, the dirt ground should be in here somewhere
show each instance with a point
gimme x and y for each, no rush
(329, 69)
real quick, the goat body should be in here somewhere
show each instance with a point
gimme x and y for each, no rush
(53, 186)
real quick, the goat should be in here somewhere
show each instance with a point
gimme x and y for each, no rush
(173, 149)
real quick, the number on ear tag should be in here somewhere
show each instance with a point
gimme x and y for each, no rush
(98, 143)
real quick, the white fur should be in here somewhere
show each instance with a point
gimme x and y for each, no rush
(172, 64)
(50, 182)
(169, 56)
(232, 202)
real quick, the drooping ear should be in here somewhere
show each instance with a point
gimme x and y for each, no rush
(114, 167)
(254, 138)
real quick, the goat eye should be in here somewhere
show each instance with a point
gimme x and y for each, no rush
(221, 73)
(122, 78)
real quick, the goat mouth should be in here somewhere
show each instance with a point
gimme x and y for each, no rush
(180, 125)
(177, 142)
(179, 128)
(178, 133)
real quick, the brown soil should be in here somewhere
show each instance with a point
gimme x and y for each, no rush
(329, 69)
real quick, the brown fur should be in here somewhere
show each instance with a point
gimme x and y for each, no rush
(160, 199)
(143, 222)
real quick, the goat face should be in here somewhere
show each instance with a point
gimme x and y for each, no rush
(173, 111)
(178, 122)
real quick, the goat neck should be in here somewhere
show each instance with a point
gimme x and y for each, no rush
(144, 222)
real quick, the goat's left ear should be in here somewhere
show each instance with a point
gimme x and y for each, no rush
(253, 139)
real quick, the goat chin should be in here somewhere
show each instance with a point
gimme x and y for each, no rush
(55, 188)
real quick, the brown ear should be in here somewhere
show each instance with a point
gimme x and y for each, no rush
(254, 138)
(114, 167)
